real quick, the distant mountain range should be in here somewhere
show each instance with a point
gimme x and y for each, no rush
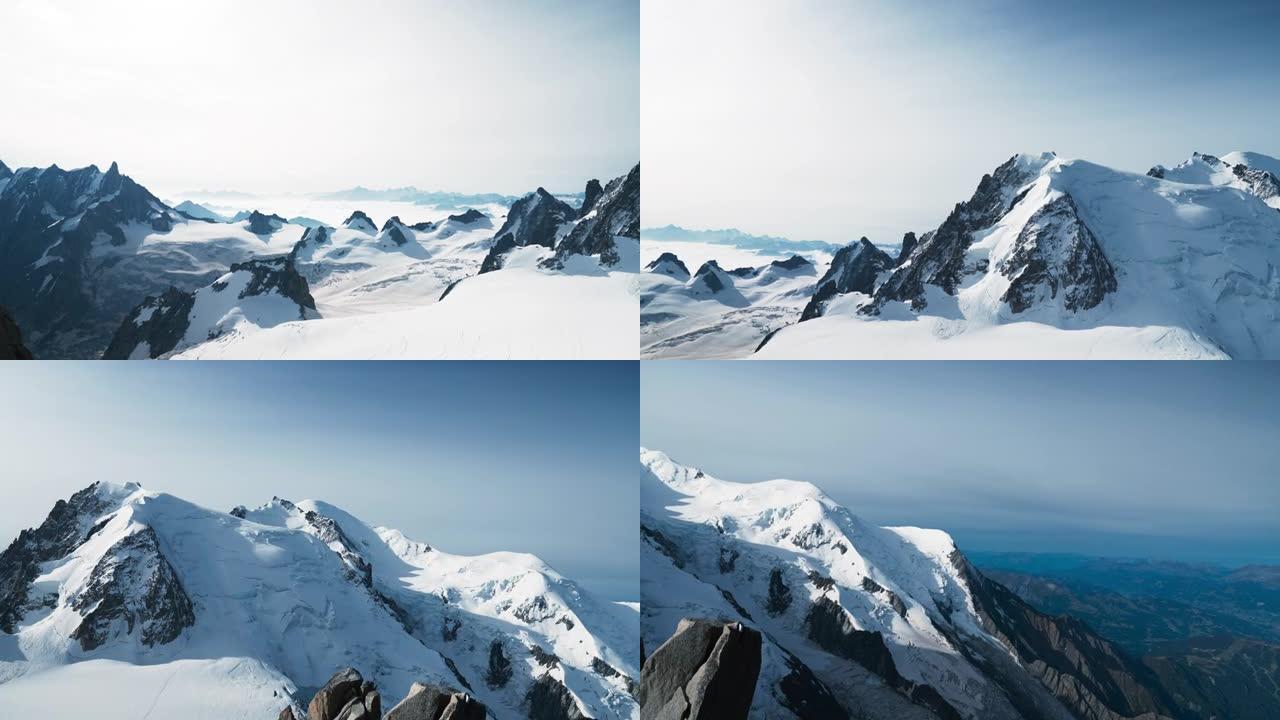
(1049, 258)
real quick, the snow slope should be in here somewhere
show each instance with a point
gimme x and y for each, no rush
(520, 312)
(1193, 257)
(179, 610)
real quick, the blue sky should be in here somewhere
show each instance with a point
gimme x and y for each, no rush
(832, 120)
(1168, 460)
(319, 95)
(471, 456)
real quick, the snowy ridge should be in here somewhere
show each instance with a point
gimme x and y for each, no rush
(1059, 258)
(891, 622)
(259, 608)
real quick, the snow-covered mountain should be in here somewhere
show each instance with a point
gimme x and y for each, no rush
(149, 605)
(860, 621)
(91, 257)
(716, 312)
(1060, 258)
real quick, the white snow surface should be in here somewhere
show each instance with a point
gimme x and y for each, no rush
(278, 610)
(796, 528)
(1196, 260)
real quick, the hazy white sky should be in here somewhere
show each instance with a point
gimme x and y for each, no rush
(828, 120)
(308, 95)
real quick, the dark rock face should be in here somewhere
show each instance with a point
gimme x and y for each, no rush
(615, 214)
(432, 702)
(939, 258)
(895, 602)
(535, 610)
(604, 669)
(1092, 677)
(50, 222)
(358, 569)
(359, 221)
(831, 629)
(166, 324)
(470, 216)
(311, 237)
(135, 585)
(287, 714)
(707, 669)
(590, 196)
(829, 626)
(668, 264)
(712, 280)
(347, 696)
(779, 594)
(1056, 253)
(1260, 182)
(534, 219)
(500, 671)
(795, 262)
(806, 695)
(276, 274)
(161, 322)
(709, 275)
(549, 699)
(261, 224)
(909, 243)
(395, 231)
(11, 347)
(69, 523)
(853, 269)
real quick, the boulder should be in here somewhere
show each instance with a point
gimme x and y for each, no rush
(334, 700)
(707, 669)
(432, 702)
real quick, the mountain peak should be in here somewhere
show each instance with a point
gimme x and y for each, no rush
(359, 221)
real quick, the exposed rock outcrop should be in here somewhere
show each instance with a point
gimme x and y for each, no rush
(466, 218)
(500, 671)
(157, 325)
(549, 699)
(262, 224)
(854, 268)
(615, 214)
(54, 282)
(432, 702)
(395, 231)
(670, 265)
(359, 221)
(707, 669)
(1092, 677)
(1056, 254)
(347, 696)
(939, 257)
(67, 525)
(133, 586)
(590, 196)
(535, 219)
